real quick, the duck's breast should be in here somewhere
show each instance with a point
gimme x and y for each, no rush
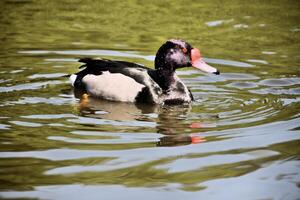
(178, 93)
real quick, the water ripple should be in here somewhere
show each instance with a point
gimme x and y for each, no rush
(29, 86)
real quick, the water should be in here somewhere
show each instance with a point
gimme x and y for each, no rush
(238, 140)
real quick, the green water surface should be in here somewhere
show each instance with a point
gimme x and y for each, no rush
(240, 139)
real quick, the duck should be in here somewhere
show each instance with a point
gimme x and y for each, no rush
(123, 81)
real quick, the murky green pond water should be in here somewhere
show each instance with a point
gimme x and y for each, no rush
(240, 139)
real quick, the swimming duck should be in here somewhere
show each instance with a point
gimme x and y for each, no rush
(130, 82)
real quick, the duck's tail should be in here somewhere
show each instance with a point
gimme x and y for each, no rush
(72, 78)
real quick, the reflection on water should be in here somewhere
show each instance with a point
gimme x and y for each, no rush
(168, 120)
(239, 139)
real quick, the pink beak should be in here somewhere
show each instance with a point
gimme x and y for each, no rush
(198, 62)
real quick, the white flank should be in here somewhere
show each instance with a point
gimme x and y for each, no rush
(112, 86)
(72, 79)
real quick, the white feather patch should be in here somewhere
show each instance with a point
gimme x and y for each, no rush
(112, 86)
(72, 79)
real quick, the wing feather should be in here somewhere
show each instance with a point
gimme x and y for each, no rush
(140, 73)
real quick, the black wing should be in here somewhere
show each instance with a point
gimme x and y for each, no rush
(104, 63)
(98, 66)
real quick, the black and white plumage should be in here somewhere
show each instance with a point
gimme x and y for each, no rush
(130, 82)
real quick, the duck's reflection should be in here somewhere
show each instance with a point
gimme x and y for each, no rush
(176, 140)
(170, 120)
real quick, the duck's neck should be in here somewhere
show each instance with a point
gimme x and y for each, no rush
(166, 78)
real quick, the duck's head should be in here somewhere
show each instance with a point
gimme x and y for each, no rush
(177, 53)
